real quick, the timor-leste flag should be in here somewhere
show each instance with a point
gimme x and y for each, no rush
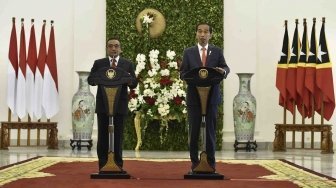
(282, 69)
(302, 99)
(310, 84)
(291, 71)
(324, 79)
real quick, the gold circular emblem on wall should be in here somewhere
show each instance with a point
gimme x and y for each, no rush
(157, 27)
(110, 73)
(203, 73)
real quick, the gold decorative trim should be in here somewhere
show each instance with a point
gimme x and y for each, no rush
(111, 73)
(203, 73)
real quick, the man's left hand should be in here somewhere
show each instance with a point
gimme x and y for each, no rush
(220, 70)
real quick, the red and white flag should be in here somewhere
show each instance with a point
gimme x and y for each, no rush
(38, 90)
(50, 100)
(30, 72)
(12, 70)
(21, 82)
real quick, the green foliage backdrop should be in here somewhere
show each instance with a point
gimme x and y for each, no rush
(181, 18)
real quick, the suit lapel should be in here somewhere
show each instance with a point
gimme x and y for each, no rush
(197, 56)
(209, 54)
(106, 62)
(121, 63)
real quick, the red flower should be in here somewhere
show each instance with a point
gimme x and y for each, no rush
(132, 94)
(165, 80)
(150, 100)
(177, 100)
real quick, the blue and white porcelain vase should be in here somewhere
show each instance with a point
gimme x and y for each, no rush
(83, 109)
(244, 110)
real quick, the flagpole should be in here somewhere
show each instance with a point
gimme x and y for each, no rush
(9, 115)
(312, 97)
(303, 105)
(322, 96)
(285, 100)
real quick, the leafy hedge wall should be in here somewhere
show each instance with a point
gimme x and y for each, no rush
(181, 17)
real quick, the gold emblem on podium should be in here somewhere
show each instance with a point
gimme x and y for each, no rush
(110, 73)
(203, 73)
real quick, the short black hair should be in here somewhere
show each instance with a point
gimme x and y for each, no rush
(113, 38)
(204, 23)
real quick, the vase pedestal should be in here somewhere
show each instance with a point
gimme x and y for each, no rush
(79, 144)
(247, 146)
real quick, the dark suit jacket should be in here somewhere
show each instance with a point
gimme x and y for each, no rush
(191, 60)
(122, 105)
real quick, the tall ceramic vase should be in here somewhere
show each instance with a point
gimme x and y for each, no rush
(83, 109)
(244, 110)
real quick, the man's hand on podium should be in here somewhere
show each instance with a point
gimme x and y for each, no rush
(220, 70)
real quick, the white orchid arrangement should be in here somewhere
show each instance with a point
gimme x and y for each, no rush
(148, 19)
(160, 93)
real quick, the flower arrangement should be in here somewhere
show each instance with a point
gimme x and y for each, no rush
(160, 93)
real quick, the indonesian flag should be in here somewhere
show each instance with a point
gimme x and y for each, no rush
(31, 62)
(291, 71)
(38, 90)
(282, 69)
(303, 98)
(311, 70)
(50, 83)
(324, 79)
(12, 70)
(21, 83)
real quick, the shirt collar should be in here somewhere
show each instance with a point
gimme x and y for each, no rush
(117, 58)
(200, 47)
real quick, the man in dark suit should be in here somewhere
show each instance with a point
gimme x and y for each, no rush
(206, 55)
(113, 49)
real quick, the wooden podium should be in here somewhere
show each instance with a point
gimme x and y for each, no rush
(203, 78)
(111, 80)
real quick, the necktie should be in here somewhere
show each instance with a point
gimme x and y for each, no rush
(203, 56)
(113, 64)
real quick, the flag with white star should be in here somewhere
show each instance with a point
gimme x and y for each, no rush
(282, 69)
(291, 70)
(310, 72)
(325, 98)
(303, 98)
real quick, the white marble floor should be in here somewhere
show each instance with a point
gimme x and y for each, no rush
(311, 159)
